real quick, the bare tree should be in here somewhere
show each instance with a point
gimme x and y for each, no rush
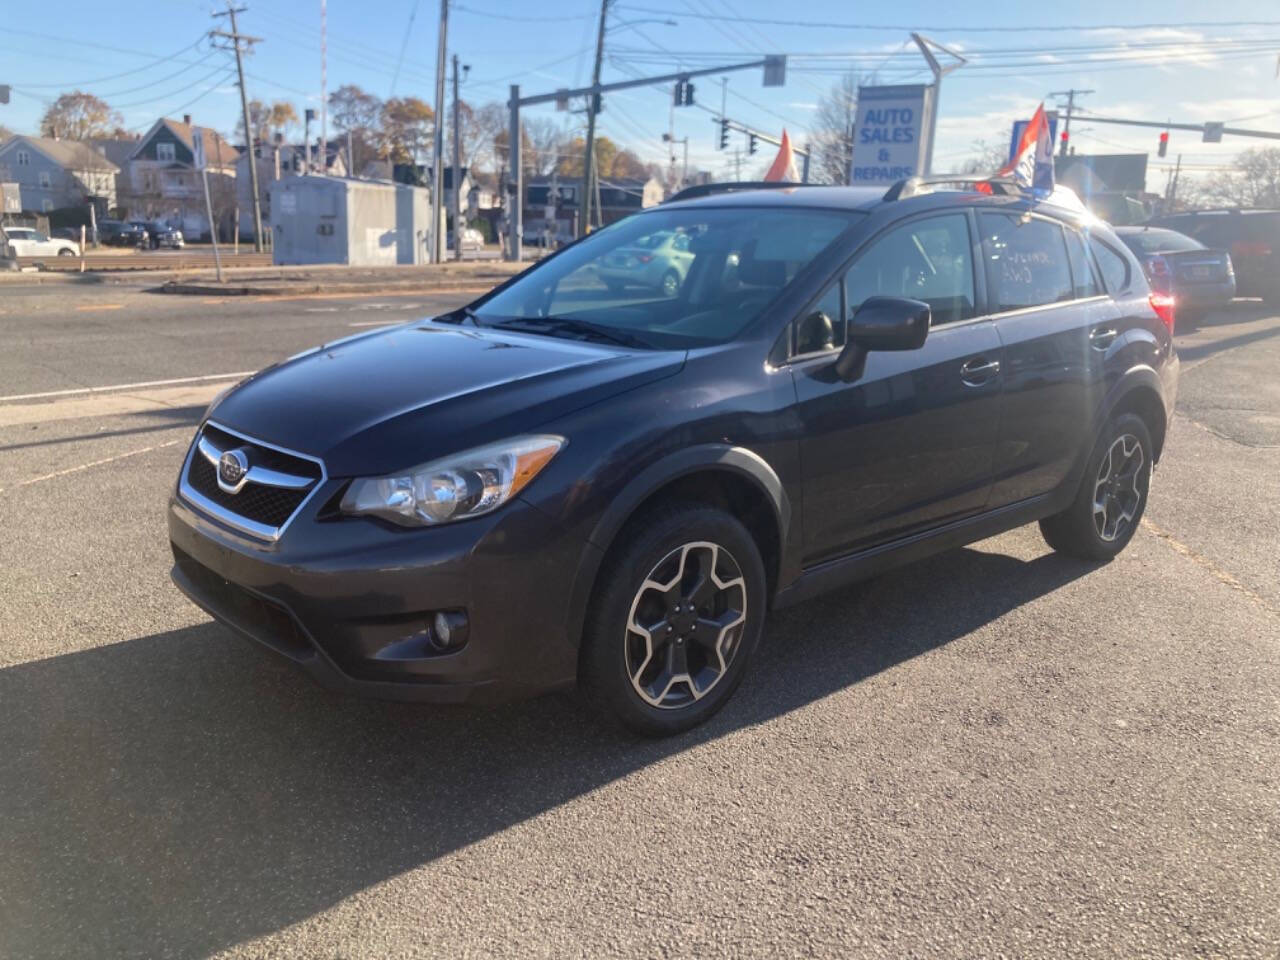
(986, 159)
(832, 132)
(78, 116)
(359, 114)
(546, 142)
(1254, 181)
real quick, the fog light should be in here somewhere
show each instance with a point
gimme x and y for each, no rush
(449, 629)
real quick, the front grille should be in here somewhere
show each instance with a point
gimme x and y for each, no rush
(277, 484)
(269, 506)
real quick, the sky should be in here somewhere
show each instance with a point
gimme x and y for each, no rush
(1170, 59)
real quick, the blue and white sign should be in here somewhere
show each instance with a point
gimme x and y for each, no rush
(890, 134)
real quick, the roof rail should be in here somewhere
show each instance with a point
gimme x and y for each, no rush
(1062, 196)
(708, 189)
(915, 186)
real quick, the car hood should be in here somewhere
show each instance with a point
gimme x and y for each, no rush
(393, 398)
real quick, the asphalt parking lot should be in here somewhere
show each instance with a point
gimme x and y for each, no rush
(997, 752)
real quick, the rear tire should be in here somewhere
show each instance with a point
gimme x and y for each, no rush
(673, 572)
(670, 285)
(1113, 494)
(64, 252)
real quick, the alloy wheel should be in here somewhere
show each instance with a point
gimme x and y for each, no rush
(1116, 496)
(686, 625)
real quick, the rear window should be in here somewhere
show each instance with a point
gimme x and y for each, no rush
(1159, 241)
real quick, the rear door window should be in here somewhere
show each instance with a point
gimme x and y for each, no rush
(1026, 261)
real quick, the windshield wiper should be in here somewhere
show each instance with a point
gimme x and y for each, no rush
(585, 329)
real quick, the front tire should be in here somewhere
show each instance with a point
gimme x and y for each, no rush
(1113, 494)
(64, 252)
(670, 284)
(678, 611)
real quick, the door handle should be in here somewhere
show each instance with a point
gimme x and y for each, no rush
(978, 371)
(1102, 337)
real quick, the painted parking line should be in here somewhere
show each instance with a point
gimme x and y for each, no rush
(95, 463)
(92, 307)
(197, 395)
(116, 387)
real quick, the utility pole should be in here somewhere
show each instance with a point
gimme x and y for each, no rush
(236, 38)
(1066, 126)
(593, 106)
(1173, 185)
(457, 164)
(324, 88)
(437, 147)
(737, 164)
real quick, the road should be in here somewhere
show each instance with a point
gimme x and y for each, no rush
(997, 752)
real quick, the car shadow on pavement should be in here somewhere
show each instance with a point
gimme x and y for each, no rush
(184, 792)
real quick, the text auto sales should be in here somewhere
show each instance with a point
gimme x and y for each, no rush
(890, 125)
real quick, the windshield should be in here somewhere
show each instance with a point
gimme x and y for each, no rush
(672, 278)
(1160, 241)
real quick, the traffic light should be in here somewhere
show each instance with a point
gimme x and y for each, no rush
(751, 143)
(1164, 143)
(688, 94)
(683, 94)
(724, 134)
(1065, 137)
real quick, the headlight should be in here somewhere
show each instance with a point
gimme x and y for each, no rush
(456, 487)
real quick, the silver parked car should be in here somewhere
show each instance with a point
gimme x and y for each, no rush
(659, 261)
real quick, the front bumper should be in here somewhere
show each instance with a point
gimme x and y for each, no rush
(350, 600)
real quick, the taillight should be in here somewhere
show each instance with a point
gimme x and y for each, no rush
(1251, 248)
(1158, 266)
(1163, 304)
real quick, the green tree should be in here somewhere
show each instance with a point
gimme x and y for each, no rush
(78, 116)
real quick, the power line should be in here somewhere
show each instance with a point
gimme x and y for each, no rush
(956, 28)
(404, 43)
(520, 19)
(114, 76)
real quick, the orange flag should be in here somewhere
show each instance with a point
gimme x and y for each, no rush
(784, 164)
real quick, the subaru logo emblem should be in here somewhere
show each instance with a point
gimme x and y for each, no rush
(232, 468)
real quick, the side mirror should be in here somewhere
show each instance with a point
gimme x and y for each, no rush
(882, 323)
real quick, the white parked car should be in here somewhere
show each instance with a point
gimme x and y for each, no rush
(27, 242)
(472, 239)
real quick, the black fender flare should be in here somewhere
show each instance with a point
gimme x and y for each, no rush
(712, 456)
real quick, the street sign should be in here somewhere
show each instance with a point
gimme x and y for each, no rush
(1213, 132)
(562, 99)
(197, 147)
(890, 136)
(4, 93)
(775, 70)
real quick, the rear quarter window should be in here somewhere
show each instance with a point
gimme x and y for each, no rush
(1113, 264)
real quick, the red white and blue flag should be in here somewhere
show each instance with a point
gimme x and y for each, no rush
(1031, 165)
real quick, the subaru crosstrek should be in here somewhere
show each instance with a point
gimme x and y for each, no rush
(561, 483)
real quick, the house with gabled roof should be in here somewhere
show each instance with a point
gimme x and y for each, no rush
(58, 174)
(164, 183)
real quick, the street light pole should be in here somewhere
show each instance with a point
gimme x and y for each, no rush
(437, 147)
(593, 104)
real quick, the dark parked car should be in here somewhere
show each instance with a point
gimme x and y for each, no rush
(1252, 237)
(163, 235)
(1199, 279)
(555, 485)
(115, 233)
